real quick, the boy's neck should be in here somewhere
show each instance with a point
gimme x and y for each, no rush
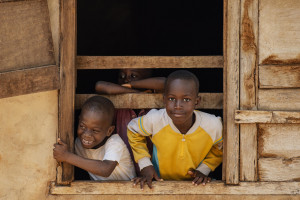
(186, 127)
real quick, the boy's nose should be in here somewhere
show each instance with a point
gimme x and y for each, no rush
(88, 133)
(178, 104)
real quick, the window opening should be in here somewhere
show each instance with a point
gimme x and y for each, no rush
(149, 28)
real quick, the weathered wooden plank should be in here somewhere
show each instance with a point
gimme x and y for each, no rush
(279, 99)
(271, 76)
(65, 172)
(248, 152)
(177, 188)
(53, 6)
(224, 89)
(231, 68)
(248, 88)
(279, 140)
(25, 35)
(117, 62)
(282, 117)
(279, 32)
(279, 169)
(26, 81)
(139, 101)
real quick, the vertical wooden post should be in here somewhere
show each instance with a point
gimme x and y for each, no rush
(65, 172)
(248, 88)
(231, 70)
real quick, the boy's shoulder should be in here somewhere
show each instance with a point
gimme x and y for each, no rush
(209, 122)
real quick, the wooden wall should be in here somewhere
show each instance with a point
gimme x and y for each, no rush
(274, 89)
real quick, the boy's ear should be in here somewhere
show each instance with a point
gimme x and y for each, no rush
(198, 100)
(110, 130)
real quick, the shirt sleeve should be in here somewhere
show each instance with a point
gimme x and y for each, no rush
(137, 131)
(215, 156)
(113, 150)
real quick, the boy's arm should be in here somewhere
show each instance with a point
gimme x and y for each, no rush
(155, 83)
(103, 87)
(101, 168)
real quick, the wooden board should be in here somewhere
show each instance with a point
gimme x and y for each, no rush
(231, 69)
(117, 62)
(271, 76)
(248, 88)
(279, 140)
(279, 32)
(250, 116)
(65, 172)
(278, 169)
(279, 99)
(139, 101)
(26, 81)
(25, 35)
(177, 188)
(53, 6)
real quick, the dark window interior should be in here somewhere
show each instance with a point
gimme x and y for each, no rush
(149, 28)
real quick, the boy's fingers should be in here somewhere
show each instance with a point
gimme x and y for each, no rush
(156, 177)
(199, 181)
(192, 172)
(149, 183)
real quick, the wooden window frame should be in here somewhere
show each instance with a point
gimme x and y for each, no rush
(69, 63)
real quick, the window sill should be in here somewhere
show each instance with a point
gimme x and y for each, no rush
(176, 188)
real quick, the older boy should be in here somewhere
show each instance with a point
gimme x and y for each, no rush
(103, 155)
(187, 143)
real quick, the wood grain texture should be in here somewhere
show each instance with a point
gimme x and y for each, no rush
(176, 188)
(54, 7)
(28, 81)
(117, 62)
(26, 40)
(271, 76)
(67, 90)
(278, 169)
(279, 99)
(248, 88)
(140, 101)
(231, 68)
(279, 32)
(282, 117)
(279, 140)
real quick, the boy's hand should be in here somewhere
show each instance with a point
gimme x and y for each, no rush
(60, 151)
(147, 174)
(198, 177)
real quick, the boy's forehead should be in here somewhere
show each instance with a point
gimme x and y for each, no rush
(183, 82)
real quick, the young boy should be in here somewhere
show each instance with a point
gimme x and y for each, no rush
(103, 155)
(187, 144)
(131, 81)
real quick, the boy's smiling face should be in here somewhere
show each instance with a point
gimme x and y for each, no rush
(180, 99)
(93, 128)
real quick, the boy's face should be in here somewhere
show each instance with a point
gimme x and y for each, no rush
(93, 127)
(180, 99)
(128, 75)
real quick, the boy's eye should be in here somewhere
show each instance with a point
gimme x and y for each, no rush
(82, 127)
(133, 76)
(186, 99)
(171, 99)
(96, 131)
(122, 75)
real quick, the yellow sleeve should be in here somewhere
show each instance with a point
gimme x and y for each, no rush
(215, 156)
(137, 134)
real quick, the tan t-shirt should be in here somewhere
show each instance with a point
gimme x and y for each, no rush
(115, 150)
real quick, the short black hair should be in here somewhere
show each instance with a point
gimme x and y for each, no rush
(102, 104)
(182, 75)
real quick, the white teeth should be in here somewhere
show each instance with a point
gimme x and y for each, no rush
(86, 142)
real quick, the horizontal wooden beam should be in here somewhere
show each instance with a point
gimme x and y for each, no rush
(279, 99)
(139, 101)
(279, 169)
(271, 76)
(28, 81)
(251, 116)
(118, 62)
(279, 141)
(176, 188)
